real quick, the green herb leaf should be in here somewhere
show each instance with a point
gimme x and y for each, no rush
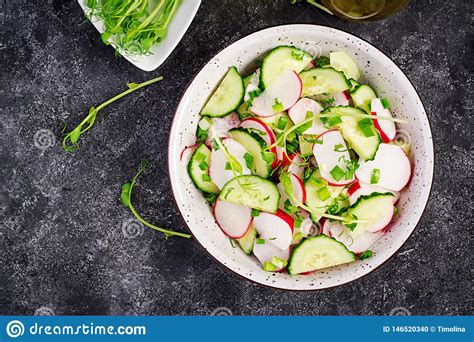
(248, 160)
(385, 103)
(337, 173)
(366, 255)
(374, 179)
(255, 213)
(323, 194)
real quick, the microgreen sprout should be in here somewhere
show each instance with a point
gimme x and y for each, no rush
(70, 139)
(126, 197)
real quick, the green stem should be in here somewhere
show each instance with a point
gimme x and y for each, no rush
(142, 220)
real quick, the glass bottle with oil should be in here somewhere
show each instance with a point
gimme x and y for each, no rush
(364, 10)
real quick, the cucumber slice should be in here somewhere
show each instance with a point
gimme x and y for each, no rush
(376, 209)
(341, 61)
(198, 169)
(316, 195)
(246, 241)
(323, 80)
(318, 252)
(254, 144)
(354, 84)
(365, 147)
(283, 58)
(362, 96)
(252, 191)
(227, 97)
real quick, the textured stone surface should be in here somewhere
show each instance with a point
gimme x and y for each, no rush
(62, 241)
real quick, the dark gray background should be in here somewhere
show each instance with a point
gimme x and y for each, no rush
(63, 249)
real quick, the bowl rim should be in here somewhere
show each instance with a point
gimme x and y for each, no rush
(252, 280)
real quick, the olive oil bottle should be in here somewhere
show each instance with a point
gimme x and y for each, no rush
(364, 10)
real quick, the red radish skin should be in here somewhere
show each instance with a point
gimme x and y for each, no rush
(298, 188)
(189, 148)
(360, 189)
(233, 219)
(287, 218)
(269, 136)
(386, 129)
(287, 88)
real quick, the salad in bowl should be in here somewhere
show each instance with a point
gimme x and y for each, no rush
(298, 162)
(300, 167)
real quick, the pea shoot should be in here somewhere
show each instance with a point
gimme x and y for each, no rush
(126, 197)
(70, 139)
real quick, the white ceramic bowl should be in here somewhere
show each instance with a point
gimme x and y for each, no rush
(377, 69)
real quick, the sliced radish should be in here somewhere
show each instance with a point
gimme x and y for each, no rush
(253, 84)
(361, 189)
(299, 111)
(294, 165)
(266, 134)
(334, 99)
(310, 65)
(233, 219)
(266, 251)
(276, 228)
(386, 128)
(325, 227)
(220, 127)
(217, 167)
(307, 226)
(285, 89)
(298, 190)
(393, 165)
(357, 245)
(188, 149)
(331, 156)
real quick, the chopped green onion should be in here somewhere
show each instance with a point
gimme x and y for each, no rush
(333, 120)
(260, 241)
(395, 211)
(215, 145)
(340, 148)
(201, 134)
(365, 255)
(385, 103)
(280, 263)
(228, 166)
(203, 166)
(206, 178)
(248, 160)
(269, 157)
(365, 126)
(321, 61)
(323, 193)
(282, 122)
(297, 223)
(351, 226)
(255, 93)
(278, 107)
(307, 173)
(337, 173)
(268, 266)
(200, 157)
(205, 123)
(255, 213)
(374, 179)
